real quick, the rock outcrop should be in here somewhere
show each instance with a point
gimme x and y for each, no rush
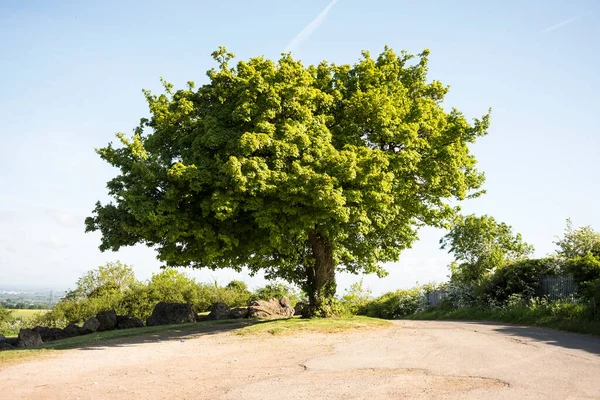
(238, 312)
(50, 334)
(171, 313)
(128, 322)
(219, 311)
(29, 338)
(271, 309)
(108, 321)
(90, 326)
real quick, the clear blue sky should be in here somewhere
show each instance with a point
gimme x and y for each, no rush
(71, 75)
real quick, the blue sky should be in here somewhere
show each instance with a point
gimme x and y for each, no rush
(71, 75)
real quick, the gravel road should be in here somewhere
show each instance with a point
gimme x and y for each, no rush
(411, 359)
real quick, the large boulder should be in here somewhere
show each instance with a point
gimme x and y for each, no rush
(171, 313)
(299, 307)
(50, 334)
(29, 338)
(108, 321)
(5, 346)
(271, 309)
(238, 312)
(128, 322)
(90, 326)
(219, 311)
(72, 330)
(2, 338)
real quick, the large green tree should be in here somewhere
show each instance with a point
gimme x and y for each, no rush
(480, 245)
(297, 171)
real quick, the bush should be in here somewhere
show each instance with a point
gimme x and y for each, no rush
(518, 278)
(356, 298)
(276, 291)
(393, 305)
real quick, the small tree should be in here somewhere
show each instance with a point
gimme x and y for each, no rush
(578, 242)
(112, 277)
(292, 170)
(480, 245)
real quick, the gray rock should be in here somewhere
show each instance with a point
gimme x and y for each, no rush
(2, 338)
(171, 313)
(108, 321)
(285, 302)
(127, 322)
(90, 326)
(238, 312)
(299, 307)
(29, 338)
(72, 330)
(6, 346)
(50, 334)
(219, 311)
(271, 309)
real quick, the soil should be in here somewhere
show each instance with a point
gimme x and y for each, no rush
(412, 360)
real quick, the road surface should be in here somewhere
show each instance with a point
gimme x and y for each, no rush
(411, 359)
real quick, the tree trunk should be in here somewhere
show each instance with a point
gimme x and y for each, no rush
(320, 280)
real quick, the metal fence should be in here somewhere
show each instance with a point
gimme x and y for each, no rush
(557, 286)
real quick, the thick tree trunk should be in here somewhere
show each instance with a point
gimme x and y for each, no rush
(320, 277)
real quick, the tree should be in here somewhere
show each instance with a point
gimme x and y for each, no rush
(480, 245)
(108, 278)
(5, 314)
(578, 242)
(291, 170)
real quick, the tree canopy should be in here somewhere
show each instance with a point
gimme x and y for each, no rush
(294, 170)
(480, 245)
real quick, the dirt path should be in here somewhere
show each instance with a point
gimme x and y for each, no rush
(413, 360)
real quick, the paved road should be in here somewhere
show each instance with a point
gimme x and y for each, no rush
(412, 360)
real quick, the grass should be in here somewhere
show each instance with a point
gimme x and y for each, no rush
(325, 325)
(241, 327)
(25, 314)
(542, 316)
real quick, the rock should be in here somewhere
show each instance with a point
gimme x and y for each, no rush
(5, 346)
(171, 313)
(49, 334)
(271, 309)
(219, 311)
(127, 322)
(200, 318)
(238, 312)
(90, 326)
(72, 330)
(108, 321)
(14, 342)
(29, 338)
(285, 302)
(299, 308)
(2, 338)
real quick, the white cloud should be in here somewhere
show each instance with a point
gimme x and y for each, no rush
(561, 24)
(53, 242)
(62, 217)
(310, 28)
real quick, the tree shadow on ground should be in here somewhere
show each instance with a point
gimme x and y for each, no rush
(139, 336)
(568, 340)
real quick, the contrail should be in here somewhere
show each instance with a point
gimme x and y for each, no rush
(561, 24)
(310, 28)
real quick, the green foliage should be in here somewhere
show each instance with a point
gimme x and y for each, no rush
(520, 277)
(394, 305)
(5, 314)
(103, 281)
(480, 245)
(356, 298)
(276, 291)
(564, 315)
(292, 170)
(578, 242)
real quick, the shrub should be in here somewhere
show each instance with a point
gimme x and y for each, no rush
(277, 291)
(393, 305)
(356, 298)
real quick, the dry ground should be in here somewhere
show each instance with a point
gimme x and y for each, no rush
(412, 360)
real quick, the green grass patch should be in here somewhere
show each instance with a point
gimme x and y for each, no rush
(542, 316)
(25, 314)
(320, 325)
